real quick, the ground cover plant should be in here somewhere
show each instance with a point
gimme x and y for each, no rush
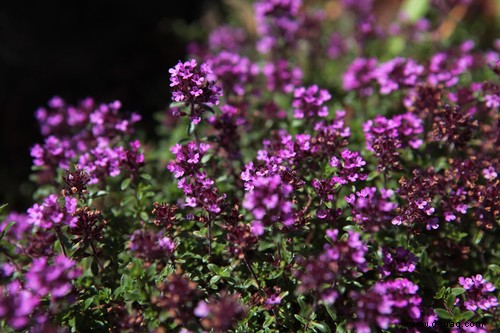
(317, 171)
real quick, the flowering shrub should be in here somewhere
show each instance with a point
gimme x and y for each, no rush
(333, 177)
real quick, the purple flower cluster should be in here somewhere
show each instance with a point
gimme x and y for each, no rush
(285, 147)
(17, 305)
(385, 136)
(176, 297)
(219, 314)
(88, 128)
(233, 71)
(226, 38)
(194, 86)
(400, 261)
(427, 186)
(349, 167)
(309, 102)
(17, 231)
(54, 279)
(269, 201)
(60, 118)
(396, 74)
(445, 68)
(370, 209)
(151, 246)
(329, 137)
(282, 76)
(201, 192)
(478, 293)
(337, 46)
(359, 76)
(240, 237)
(88, 227)
(187, 158)
(345, 256)
(199, 189)
(164, 215)
(277, 23)
(386, 303)
(50, 213)
(191, 83)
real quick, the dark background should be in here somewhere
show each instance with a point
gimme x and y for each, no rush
(75, 49)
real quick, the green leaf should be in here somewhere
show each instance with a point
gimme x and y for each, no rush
(100, 194)
(2, 207)
(206, 158)
(94, 268)
(457, 291)
(146, 176)
(215, 279)
(495, 268)
(144, 216)
(125, 183)
(191, 128)
(225, 272)
(450, 300)
(330, 311)
(442, 313)
(301, 319)
(87, 303)
(440, 293)
(415, 9)
(268, 322)
(321, 326)
(9, 225)
(213, 268)
(467, 315)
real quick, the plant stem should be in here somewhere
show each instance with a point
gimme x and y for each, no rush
(94, 251)
(4, 251)
(252, 271)
(58, 233)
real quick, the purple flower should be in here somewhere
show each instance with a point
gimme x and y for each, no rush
(386, 303)
(385, 136)
(359, 76)
(337, 46)
(282, 76)
(19, 230)
(397, 73)
(150, 246)
(401, 261)
(191, 83)
(194, 86)
(233, 71)
(50, 213)
(371, 209)
(309, 102)
(17, 305)
(201, 192)
(219, 314)
(349, 167)
(226, 38)
(88, 128)
(44, 278)
(269, 201)
(445, 68)
(277, 23)
(187, 158)
(478, 293)
(343, 257)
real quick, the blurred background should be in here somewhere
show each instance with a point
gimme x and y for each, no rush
(120, 50)
(108, 50)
